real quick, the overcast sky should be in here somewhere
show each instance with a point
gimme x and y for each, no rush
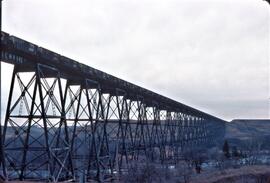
(210, 54)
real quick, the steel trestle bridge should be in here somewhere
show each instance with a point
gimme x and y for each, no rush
(65, 120)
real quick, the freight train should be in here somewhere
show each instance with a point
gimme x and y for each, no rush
(27, 52)
(49, 57)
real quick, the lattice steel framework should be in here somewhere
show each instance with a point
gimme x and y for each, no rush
(60, 128)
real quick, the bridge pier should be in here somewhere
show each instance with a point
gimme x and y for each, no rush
(35, 136)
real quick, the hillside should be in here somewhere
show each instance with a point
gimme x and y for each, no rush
(242, 130)
(246, 129)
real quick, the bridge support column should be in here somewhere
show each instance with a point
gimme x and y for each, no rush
(88, 113)
(35, 131)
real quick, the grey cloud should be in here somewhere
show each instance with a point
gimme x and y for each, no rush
(209, 54)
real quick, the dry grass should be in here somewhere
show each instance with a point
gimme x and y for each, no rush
(252, 173)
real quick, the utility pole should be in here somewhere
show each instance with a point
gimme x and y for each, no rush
(0, 65)
(1, 143)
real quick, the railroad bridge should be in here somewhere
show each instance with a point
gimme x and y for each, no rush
(65, 120)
